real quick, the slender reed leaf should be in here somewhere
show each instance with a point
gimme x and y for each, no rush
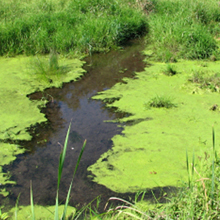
(187, 166)
(60, 169)
(94, 213)
(213, 183)
(56, 215)
(32, 201)
(16, 207)
(213, 139)
(213, 145)
(62, 157)
(79, 212)
(193, 165)
(70, 187)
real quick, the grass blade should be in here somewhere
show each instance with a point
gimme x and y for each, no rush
(16, 207)
(56, 215)
(62, 157)
(94, 213)
(213, 145)
(213, 183)
(60, 169)
(32, 201)
(70, 187)
(79, 212)
(187, 167)
(213, 139)
(193, 165)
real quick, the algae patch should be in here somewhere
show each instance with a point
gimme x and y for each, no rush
(41, 212)
(152, 153)
(8, 153)
(18, 79)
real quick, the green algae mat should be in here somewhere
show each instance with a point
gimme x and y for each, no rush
(151, 152)
(19, 77)
(41, 212)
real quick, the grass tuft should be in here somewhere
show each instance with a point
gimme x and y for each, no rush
(170, 70)
(161, 102)
(206, 80)
(46, 69)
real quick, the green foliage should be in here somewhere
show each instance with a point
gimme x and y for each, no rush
(184, 29)
(3, 216)
(47, 69)
(161, 102)
(33, 27)
(206, 80)
(170, 70)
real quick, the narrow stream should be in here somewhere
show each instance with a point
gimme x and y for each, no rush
(73, 102)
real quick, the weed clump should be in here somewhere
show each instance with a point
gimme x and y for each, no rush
(46, 69)
(206, 80)
(170, 70)
(161, 102)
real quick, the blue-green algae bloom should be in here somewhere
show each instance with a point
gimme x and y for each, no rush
(19, 77)
(151, 151)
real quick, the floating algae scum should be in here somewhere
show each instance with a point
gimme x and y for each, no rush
(40, 162)
(17, 111)
(152, 151)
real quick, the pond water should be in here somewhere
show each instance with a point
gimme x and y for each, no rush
(73, 103)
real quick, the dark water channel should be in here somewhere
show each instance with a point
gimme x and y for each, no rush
(73, 102)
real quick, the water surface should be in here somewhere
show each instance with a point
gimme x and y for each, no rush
(73, 103)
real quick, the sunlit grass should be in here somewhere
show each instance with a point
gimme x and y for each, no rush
(184, 29)
(69, 27)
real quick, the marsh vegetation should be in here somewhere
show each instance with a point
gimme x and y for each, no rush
(161, 102)
(69, 27)
(184, 29)
(206, 80)
(174, 30)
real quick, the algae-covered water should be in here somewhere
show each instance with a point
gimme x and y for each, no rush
(58, 107)
(145, 149)
(18, 78)
(152, 151)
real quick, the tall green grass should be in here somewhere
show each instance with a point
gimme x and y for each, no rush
(184, 29)
(70, 26)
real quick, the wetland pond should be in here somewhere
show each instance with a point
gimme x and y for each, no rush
(73, 103)
(146, 150)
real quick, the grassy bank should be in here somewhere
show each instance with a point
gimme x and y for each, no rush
(33, 27)
(183, 29)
